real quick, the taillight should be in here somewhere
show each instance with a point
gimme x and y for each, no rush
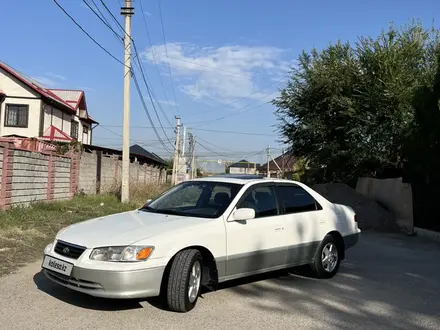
(355, 219)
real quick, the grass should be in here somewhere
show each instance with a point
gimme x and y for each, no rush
(25, 231)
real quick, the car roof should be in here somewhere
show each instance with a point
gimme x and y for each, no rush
(242, 179)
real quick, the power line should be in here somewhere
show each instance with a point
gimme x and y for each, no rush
(143, 78)
(225, 155)
(202, 130)
(85, 32)
(114, 57)
(140, 67)
(153, 52)
(166, 53)
(232, 132)
(120, 135)
(146, 111)
(234, 113)
(210, 150)
(244, 97)
(216, 146)
(113, 16)
(102, 18)
(151, 99)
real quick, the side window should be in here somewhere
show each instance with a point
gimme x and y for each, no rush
(262, 200)
(295, 199)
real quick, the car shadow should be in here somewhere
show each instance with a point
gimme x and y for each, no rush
(85, 301)
(82, 300)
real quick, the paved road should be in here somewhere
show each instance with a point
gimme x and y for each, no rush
(387, 282)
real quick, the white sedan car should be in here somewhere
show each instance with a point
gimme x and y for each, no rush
(201, 233)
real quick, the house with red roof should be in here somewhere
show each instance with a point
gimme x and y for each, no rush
(32, 110)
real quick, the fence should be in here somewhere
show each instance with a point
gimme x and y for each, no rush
(34, 176)
(102, 173)
(394, 195)
(29, 176)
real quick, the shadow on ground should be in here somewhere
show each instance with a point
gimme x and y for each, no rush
(388, 281)
(80, 299)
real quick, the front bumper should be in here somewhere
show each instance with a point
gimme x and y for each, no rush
(112, 284)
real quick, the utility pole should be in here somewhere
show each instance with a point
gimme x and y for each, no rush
(176, 152)
(193, 159)
(282, 166)
(268, 160)
(127, 12)
(183, 141)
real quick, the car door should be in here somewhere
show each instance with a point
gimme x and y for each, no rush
(303, 215)
(259, 243)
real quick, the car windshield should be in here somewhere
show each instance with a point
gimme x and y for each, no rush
(205, 199)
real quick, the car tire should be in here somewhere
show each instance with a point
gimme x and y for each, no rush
(185, 274)
(327, 259)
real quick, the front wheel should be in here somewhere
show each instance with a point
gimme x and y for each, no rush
(184, 281)
(326, 262)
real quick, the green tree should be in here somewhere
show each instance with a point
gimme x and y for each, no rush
(348, 109)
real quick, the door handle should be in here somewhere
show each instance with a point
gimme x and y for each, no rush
(279, 228)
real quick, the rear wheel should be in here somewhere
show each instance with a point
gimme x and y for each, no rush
(184, 281)
(327, 258)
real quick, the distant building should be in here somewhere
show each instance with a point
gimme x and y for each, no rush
(243, 167)
(29, 109)
(278, 166)
(136, 151)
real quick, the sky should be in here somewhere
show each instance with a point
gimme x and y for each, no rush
(216, 64)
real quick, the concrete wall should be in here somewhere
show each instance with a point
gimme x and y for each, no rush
(108, 179)
(393, 194)
(87, 173)
(28, 177)
(62, 180)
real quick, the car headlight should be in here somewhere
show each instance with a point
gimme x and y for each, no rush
(122, 253)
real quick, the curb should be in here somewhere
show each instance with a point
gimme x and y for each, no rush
(434, 235)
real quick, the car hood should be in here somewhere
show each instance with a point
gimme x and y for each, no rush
(124, 228)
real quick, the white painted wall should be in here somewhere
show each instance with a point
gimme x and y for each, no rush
(57, 118)
(52, 116)
(86, 136)
(18, 93)
(33, 117)
(242, 170)
(13, 87)
(82, 137)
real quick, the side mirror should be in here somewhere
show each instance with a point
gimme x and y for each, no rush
(244, 214)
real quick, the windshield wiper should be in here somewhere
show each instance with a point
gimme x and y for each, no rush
(148, 209)
(169, 211)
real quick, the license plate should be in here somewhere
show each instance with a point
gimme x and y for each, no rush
(57, 265)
